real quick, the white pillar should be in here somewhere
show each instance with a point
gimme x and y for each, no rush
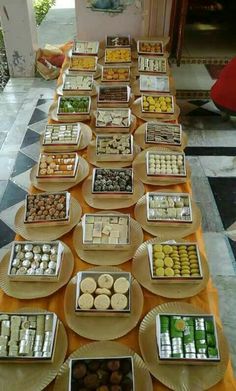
(20, 36)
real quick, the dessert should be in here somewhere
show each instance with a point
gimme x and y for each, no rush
(175, 261)
(83, 63)
(56, 166)
(117, 41)
(113, 118)
(163, 104)
(169, 207)
(106, 232)
(117, 55)
(27, 336)
(35, 261)
(165, 164)
(116, 73)
(163, 133)
(102, 374)
(78, 83)
(187, 338)
(74, 105)
(62, 134)
(152, 64)
(86, 47)
(154, 83)
(114, 147)
(150, 47)
(111, 293)
(47, 208)
(112, 181)
(113, 94)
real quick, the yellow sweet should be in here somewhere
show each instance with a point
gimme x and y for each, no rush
(186, 275)
(180, 325)
(167, 249)
(169, 272)
(118, 55)
(159, 254)
(160, 104)
(168, 262)
(160, 271)
(159, 262)
(193, 271)
(157, 247)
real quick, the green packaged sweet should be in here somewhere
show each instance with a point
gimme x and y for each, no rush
(164, 320)
(212, 352)
(189, 334)
(200, 334)
(201, 344)
(211, 340)
(189, 320)
(209, 325)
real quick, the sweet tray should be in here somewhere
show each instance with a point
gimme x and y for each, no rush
(115, 74)
(35, 261)
(113, 95)
(163, 104)
(116, 370)
(175, 262)
(169, 207)
(152, 64)
(99, 293)
(27, 337)
(114, 147)
(165, 164)
(187, 339)
(62, 135)
(163, 133)
(150, 47)
(106, 232)
(118, 41)
(47, 209)
(113, 119)
(73, 105)
(85, 47)
(57, 167)
(73, 83)
(116, 182)
(117, 55)
(151, 83)
(83, 63)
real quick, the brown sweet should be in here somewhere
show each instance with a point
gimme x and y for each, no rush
(93, 365)
(91, 381)
(113, 365)
(127, 384)
(116, 377)
(79, 371)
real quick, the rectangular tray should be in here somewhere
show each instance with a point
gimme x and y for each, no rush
(159, 83)
(140, 51)
(117, 37)
(81, 69)
(120, 194)
(113, 102)
(170, 153)
(158, 96)
(186, 361)
(121, 61)
(40, 223)
(74, 114)
(115, 157)
(61, 125)
(175, 280)
(114, 128)
(149, 65)
(162, 125)
(32, 359)
(58, 178)
(73, 76)
(108, 312)
(101, 246)
(123, 67)
(168, 221)
(85, 51)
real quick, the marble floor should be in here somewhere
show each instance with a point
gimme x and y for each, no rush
(211, 152)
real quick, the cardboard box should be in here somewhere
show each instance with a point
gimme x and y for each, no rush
(109, 157)
(110, 311)
(152, 220)
(174, 279)
(36, 277)
(89, 245)
(186, 361)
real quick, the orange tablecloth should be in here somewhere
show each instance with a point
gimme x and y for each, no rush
(207, 299)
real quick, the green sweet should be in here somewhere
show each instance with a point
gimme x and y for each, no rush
(211, 340)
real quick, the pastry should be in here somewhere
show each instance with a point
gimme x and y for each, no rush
(103, 291)
(101, 302)
(85, 301)
(88, 285)
(119, 301)
(105, 281)
(121, 285)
